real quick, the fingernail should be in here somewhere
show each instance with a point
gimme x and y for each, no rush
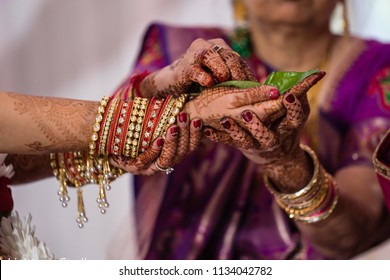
(207, 132)
(273, 93)
(160, 142)
(183, 117)
(290, 98)
(225, 123)
(174, 131)
(247, 116)
(197, 123)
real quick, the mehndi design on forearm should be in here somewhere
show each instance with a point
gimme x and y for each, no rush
(60, 121)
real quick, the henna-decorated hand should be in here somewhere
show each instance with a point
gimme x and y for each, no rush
(205, 63)
(214, 103)
(180, 140)
(274, 147)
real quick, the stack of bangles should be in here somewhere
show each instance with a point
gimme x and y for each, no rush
(315, 202)
(122, 128)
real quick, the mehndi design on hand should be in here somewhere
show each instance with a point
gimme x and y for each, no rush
(202, 65)
(251, 96)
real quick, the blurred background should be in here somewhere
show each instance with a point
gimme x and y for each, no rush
(83, 49)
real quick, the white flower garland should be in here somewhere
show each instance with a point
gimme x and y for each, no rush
(17, 236)
(18, 241)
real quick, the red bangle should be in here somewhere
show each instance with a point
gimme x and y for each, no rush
(135, 82)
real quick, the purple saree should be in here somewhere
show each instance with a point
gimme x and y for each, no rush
(213, 206)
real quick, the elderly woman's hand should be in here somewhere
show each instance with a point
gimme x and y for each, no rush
(274, 148)
(205, 63)
(268, 133)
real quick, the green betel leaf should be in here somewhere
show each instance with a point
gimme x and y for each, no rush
(281, 80)
(239, 84)
(286, 80)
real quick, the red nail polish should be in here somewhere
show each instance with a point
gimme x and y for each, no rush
(183, 117)
(247, 116)
(225, 123)
(273, 93)
(160, 142)
(174, 131)
(197, 123)
(290, 98)
(207, 132)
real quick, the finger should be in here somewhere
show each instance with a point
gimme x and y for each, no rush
(247, 96)
(140, 164)
(184, 136)
(217, 66)
(151, 153)
(125, 163)
(270, 111)
(211, 134)
(295, 117)
(196, 74)
(253, 95)
(168, 151)
(217, 136)
(240, 138)
(303, 86)
(232, 58)
(264, 136)
(195, 134)
(238, 68)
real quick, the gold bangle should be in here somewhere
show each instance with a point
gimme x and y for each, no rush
(316, 201)
(326, 208)
(105, 134)
(308, 206)
(97, 125)
(380, 168)
(135, 126)
(302, 193)
(167, 107)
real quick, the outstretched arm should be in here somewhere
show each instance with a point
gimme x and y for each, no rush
(36, 125)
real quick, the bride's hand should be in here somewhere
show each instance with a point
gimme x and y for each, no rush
(205, 63)
(162, 155)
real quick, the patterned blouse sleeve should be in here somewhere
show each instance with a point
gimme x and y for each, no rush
(371, 122)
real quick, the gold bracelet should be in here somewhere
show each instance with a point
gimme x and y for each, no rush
(135, 127)
(380, 167)
(326, 208)
(302, 193)
(97, 125)
(316, 201)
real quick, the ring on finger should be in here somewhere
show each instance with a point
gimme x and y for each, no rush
(167, 170)
(217, 48)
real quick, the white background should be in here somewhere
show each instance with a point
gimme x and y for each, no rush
(82, 49)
